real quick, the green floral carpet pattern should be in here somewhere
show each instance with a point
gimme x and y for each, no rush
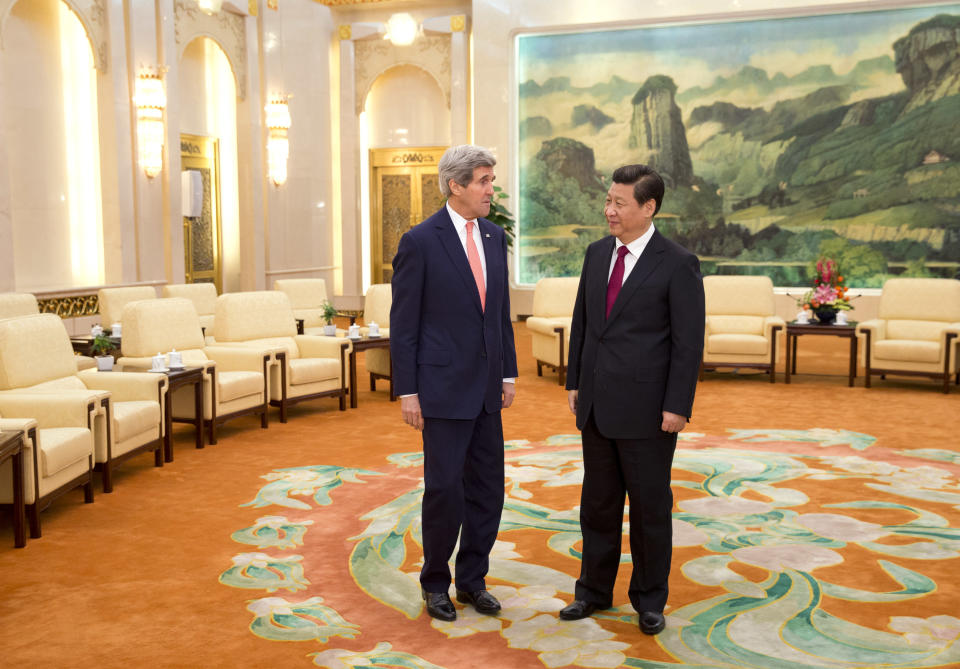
(792, 548)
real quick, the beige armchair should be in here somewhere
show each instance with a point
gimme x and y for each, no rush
(235, 379)
(741, 326)
(36, 357)
(917, 332)
(306, 299)
(112, 301)
(307, 366)
(204, 298)
(549, 326)
(376, 309)
(59, 448)
(25, 304)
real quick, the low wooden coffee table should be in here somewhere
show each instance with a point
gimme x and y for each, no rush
(363, 344)
(11, 448)
(178, 378)
(795, 330)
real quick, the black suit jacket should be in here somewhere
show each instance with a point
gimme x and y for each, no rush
(443, 346)
(645, 358)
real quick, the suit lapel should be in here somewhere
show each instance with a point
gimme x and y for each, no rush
(598, 285)
(447, 234)
(647, 262)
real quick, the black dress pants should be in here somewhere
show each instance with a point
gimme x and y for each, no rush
(463, 494)
(614, 468)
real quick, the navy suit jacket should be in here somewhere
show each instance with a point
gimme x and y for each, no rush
(645, 358)
(444, 347)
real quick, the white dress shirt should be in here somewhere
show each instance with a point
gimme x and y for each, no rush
(634, 249)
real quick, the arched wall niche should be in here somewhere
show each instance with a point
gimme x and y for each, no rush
(93, 17)
(422, 120)
(375, 57)
(227, 30)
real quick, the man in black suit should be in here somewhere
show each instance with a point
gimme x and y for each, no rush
(635, 349)
(454, 363)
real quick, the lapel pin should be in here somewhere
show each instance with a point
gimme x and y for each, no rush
(487, 235)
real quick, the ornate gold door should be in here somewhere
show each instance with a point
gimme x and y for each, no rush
(200, 180)
(404, 192)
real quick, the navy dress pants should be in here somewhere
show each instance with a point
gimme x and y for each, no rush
(463, 477)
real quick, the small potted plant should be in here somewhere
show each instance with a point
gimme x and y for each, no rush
(329, 312)
(101, 347)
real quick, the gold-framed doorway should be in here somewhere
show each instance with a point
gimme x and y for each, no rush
(404, 191)
(202, 241)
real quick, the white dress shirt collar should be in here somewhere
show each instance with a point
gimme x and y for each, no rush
(637, 246)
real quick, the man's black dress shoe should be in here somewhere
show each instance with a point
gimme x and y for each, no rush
(577, 610)
(482, 601)
(652, 622)
(439, 605)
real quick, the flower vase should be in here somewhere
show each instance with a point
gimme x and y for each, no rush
(825, 315)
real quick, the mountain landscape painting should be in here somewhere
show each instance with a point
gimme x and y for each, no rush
(781, 140)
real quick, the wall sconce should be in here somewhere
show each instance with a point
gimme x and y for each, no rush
(278, 147)
(209, 6)
(150, 99)
(402, 29)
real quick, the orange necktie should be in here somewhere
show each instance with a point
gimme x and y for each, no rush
(473, 256)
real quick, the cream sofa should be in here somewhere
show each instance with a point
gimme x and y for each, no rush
(112, 301)
(376, 309)
(917, 332)
(741, 326)
(204, 298)
(235, 379)
(25, 304)
(36, 357)
(307, 366)
(58, 455)
(549, 326)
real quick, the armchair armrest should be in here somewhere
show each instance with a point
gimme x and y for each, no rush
(10, 424)
(876, 327)
(240, 359)
(548, 326)
(773, 324)
(322, 347)
(127, 386)
(66, 410)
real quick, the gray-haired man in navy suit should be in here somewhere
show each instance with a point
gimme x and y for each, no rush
(454, 364)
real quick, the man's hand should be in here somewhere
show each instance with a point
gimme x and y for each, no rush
(410, 410)
(572, 400)
(673, 422)
(509, 392)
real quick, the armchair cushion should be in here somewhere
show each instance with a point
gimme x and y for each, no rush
(739, 295)
(62, 447)
(555, 296)
(159, 326)
(734, 344)
(256, 315)
(202, 295)
(18, 304)
(906, 350)
(233, 385)
(306, 297)
(135, 417)
(741, 324)
(910, 329)
(314, 370)
(34, 349)
(112, 301)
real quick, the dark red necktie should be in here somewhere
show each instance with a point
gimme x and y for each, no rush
(616, 278)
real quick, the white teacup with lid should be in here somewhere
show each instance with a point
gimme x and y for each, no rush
(96, 330)
(176, 359)
(157, 363)
(116, 330)
(354, 331)
(374, 329)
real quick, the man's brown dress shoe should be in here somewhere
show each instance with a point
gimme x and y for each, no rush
(577, 610)
(482, 601)
(652, 622)
(439, 605)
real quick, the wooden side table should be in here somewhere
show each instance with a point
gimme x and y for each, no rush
(363, 344)
(11, 448)
(178, 378)
(795, 330)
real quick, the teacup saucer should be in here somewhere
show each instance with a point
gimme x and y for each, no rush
(159, 371)
(374, 336)
(177, 368)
